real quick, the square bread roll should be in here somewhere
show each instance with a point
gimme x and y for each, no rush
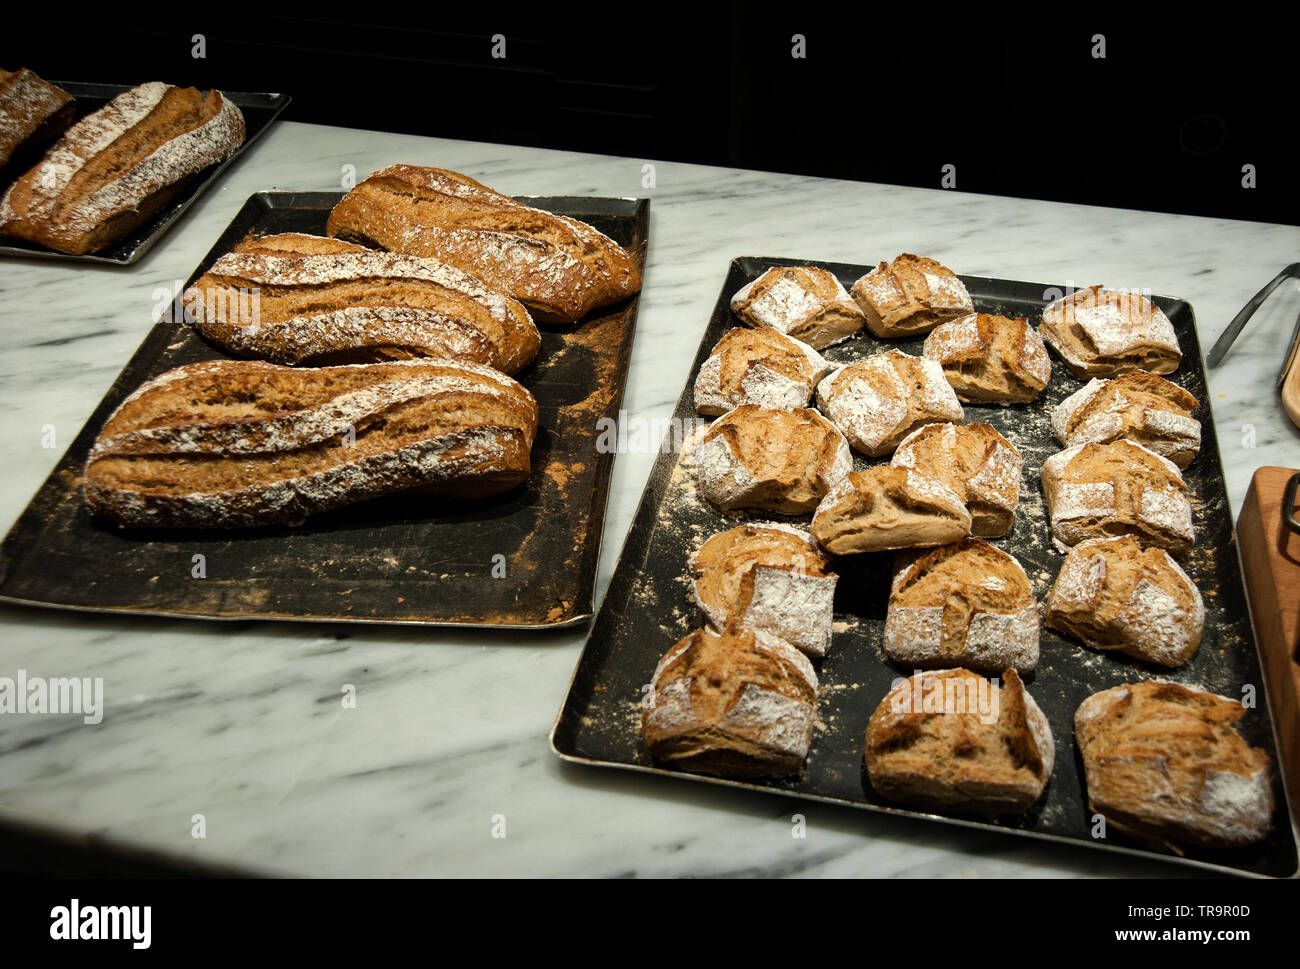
(1138, 406)
(990, 359)
(976, 462)
(910, 296)
(885, 509)
(803, 302)
(762, 367)
(1103, 333)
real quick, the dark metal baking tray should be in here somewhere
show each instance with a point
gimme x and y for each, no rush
(648, 608)
(259, 111)
(402, 559)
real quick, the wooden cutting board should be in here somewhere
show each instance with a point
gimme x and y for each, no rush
(1270, 559)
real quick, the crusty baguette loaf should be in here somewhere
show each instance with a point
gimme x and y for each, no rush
(239, 443)
(115, 168)
(322, 301)
(558, 267)
(33, 112)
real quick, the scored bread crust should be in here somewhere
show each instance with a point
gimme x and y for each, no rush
(240, 443)
(323, 301)
(32, 112)
(771, 577)
(1139, 406)
(886, 508)
(558, 267)
(116, 167)
(976, 462)
(990, 359)
(965, 604)
(1103, 490)
(739, 702)
(910, 296)
(806, 303)
(763, 367)
(927, 748)
(1103, 333)
(778, 460)
(1165, 764)
(1116, 596)
(878, 401)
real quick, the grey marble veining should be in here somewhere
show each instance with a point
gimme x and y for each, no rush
(243, 724)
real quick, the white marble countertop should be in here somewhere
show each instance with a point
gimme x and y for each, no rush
(241, 724)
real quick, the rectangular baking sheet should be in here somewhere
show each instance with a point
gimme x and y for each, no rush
(525, 560)
(649, 607)
(259, 111)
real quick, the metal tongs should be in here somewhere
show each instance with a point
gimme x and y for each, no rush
(1221, 345)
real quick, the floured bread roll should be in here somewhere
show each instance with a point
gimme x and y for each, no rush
(965, 604)
(910, 296)
(1103, 334)
(1103, 490)
(886, 508)
(1117, 596)
(762, 367)
(739, 703)
(1138, 406)
(779, 460)
(878, 401)
(990, 359)
(950, 740)
(1166, 765)
(976, 462)
(803, 302)
(770, 577)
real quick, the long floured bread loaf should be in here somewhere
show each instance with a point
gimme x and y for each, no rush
(240, 443)
(558, 267)
(115, 168)
(323, 301)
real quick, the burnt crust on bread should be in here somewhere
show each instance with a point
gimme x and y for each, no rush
(242, 443)
(322, 301)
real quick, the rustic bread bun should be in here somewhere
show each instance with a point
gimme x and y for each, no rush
(558, 267)
(770, 577)
(990, 359)
(965, 604)
(240, 443)
(910, 296)
(1099, 333)
(878, 401)
(1137, 406)
(116, 167)
(739, 702)
(949, 740)
(1165, 765)
(1117, 596)
(33, 112)
(778, 460)
(762, 367)
(803, 302)
(886, 508)
(1121, 488)
(322, 301)
(976, 462)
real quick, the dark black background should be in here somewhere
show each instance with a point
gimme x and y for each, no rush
(1014, 99)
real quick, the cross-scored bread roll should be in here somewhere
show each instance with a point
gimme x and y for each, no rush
(1116, 596)
(976, 462)
(779, 460)
(558, 267)
(878, 401)
(990, 359)
(965, 604)
(1138, 406)
(322, 301)
(803, 302)
(1165, 764)
(950, 740)
(237, 443)
(886, 508)
(762, 367)
(1103, 490)
(739, 702)
(1100, 333)
(770, 577)
(910, 296)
